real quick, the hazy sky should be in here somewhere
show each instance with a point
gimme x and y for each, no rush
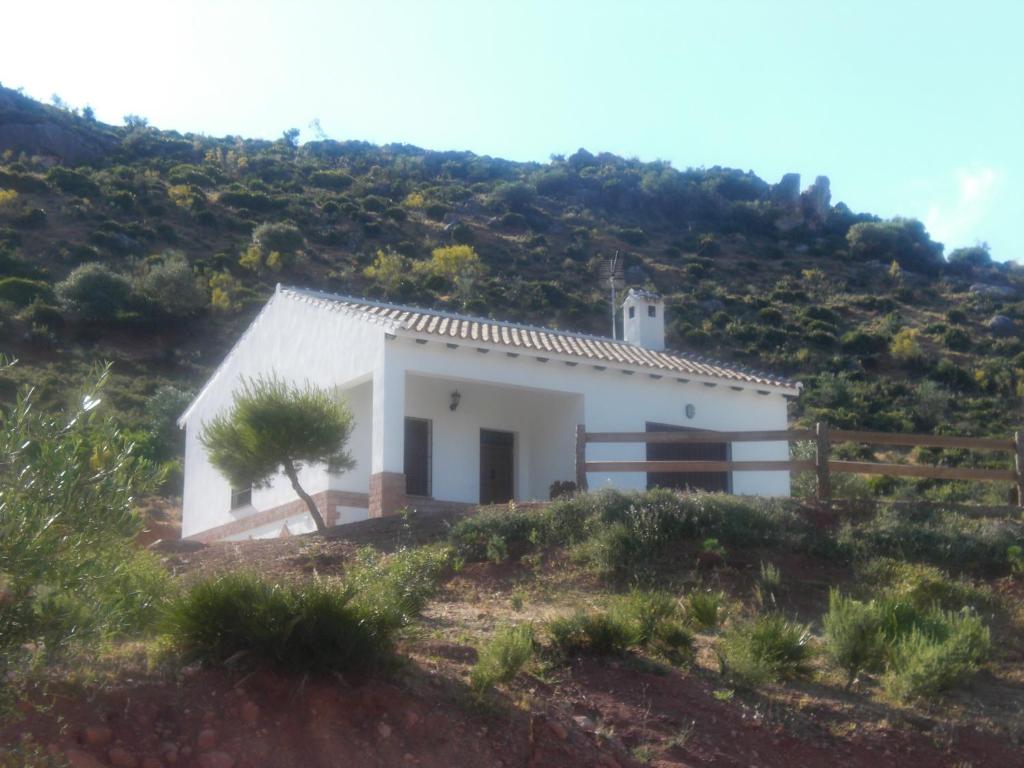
(911, 108)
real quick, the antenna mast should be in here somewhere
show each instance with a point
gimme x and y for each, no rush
(612, 271)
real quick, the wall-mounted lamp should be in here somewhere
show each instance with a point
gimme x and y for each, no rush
(691, 410)
(456, 397)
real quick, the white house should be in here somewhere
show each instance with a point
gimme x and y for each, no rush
(451, 409)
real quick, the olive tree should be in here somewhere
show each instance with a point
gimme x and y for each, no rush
(68, 567)
(273, 427)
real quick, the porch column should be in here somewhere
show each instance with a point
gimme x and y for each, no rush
(387, 478)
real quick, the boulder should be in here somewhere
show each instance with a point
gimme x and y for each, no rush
(1001, 326)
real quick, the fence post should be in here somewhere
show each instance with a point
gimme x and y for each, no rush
(821, 461)
(581, 458)
(1018, 440)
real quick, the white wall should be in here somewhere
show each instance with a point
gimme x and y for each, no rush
(299, 342)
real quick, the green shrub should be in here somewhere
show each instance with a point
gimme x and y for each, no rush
(336, 180)
(934, 536)
(436, 211)
(864, 343)
(853, 635)
(281, 237)
(765, 649)
(94, 292)
(502, 657)
(925, 663)
(598, 633)
(645, 610)
(702, 609)
(42, 315)
(904, 241)
(1015, 556)
(21, 291)
(132, 597)
(957, 339)
(474, 538)
(899, 619)
(191, 174)
(622, 534)
(312, 627)
(924, 586)
(394, 588)
(72, 182)
(672, 640)
(956, 316)
(173, 286)
(617, 551)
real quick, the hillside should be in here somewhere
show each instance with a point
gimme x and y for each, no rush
(192, 232)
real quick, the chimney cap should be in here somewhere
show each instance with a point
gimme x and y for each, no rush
(642, 294)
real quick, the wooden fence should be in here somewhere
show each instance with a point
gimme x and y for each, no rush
(822, 464)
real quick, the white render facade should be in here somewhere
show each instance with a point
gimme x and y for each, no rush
(489, 410)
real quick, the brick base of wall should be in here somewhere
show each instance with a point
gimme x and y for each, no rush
(326, 501)
(388, 496)
(387, 493)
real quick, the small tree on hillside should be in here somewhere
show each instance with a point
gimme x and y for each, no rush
(276, 427)
(460, 264)
(389, 269)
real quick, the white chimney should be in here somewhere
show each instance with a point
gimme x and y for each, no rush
(643, 319)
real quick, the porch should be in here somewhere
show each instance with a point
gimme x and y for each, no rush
(432, 442)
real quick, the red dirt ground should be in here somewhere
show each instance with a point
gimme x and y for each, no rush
(591, 712)
(219, 719)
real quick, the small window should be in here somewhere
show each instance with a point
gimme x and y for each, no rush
(651, 311)
(241, 497)
(632, 312)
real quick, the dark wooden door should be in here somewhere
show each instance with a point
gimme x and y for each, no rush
(695, 481)
(417, 457)
(497, 466)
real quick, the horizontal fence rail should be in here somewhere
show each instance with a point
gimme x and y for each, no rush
(822, 464)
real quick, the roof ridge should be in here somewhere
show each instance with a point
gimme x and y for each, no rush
(445, 313)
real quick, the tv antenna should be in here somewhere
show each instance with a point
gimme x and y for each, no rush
(612, 272)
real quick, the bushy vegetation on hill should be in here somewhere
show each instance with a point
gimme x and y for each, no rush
(154, 249)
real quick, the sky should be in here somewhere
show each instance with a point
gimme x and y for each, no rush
(910, 108)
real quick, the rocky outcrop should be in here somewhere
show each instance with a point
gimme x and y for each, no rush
(29, 127)
(816, 201)
(787, 191)
(810, 207)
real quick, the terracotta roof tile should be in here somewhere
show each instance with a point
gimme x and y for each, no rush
(516, 336)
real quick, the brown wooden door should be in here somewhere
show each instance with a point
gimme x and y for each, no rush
(417, 457)
(696, 481)
(497, 466)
